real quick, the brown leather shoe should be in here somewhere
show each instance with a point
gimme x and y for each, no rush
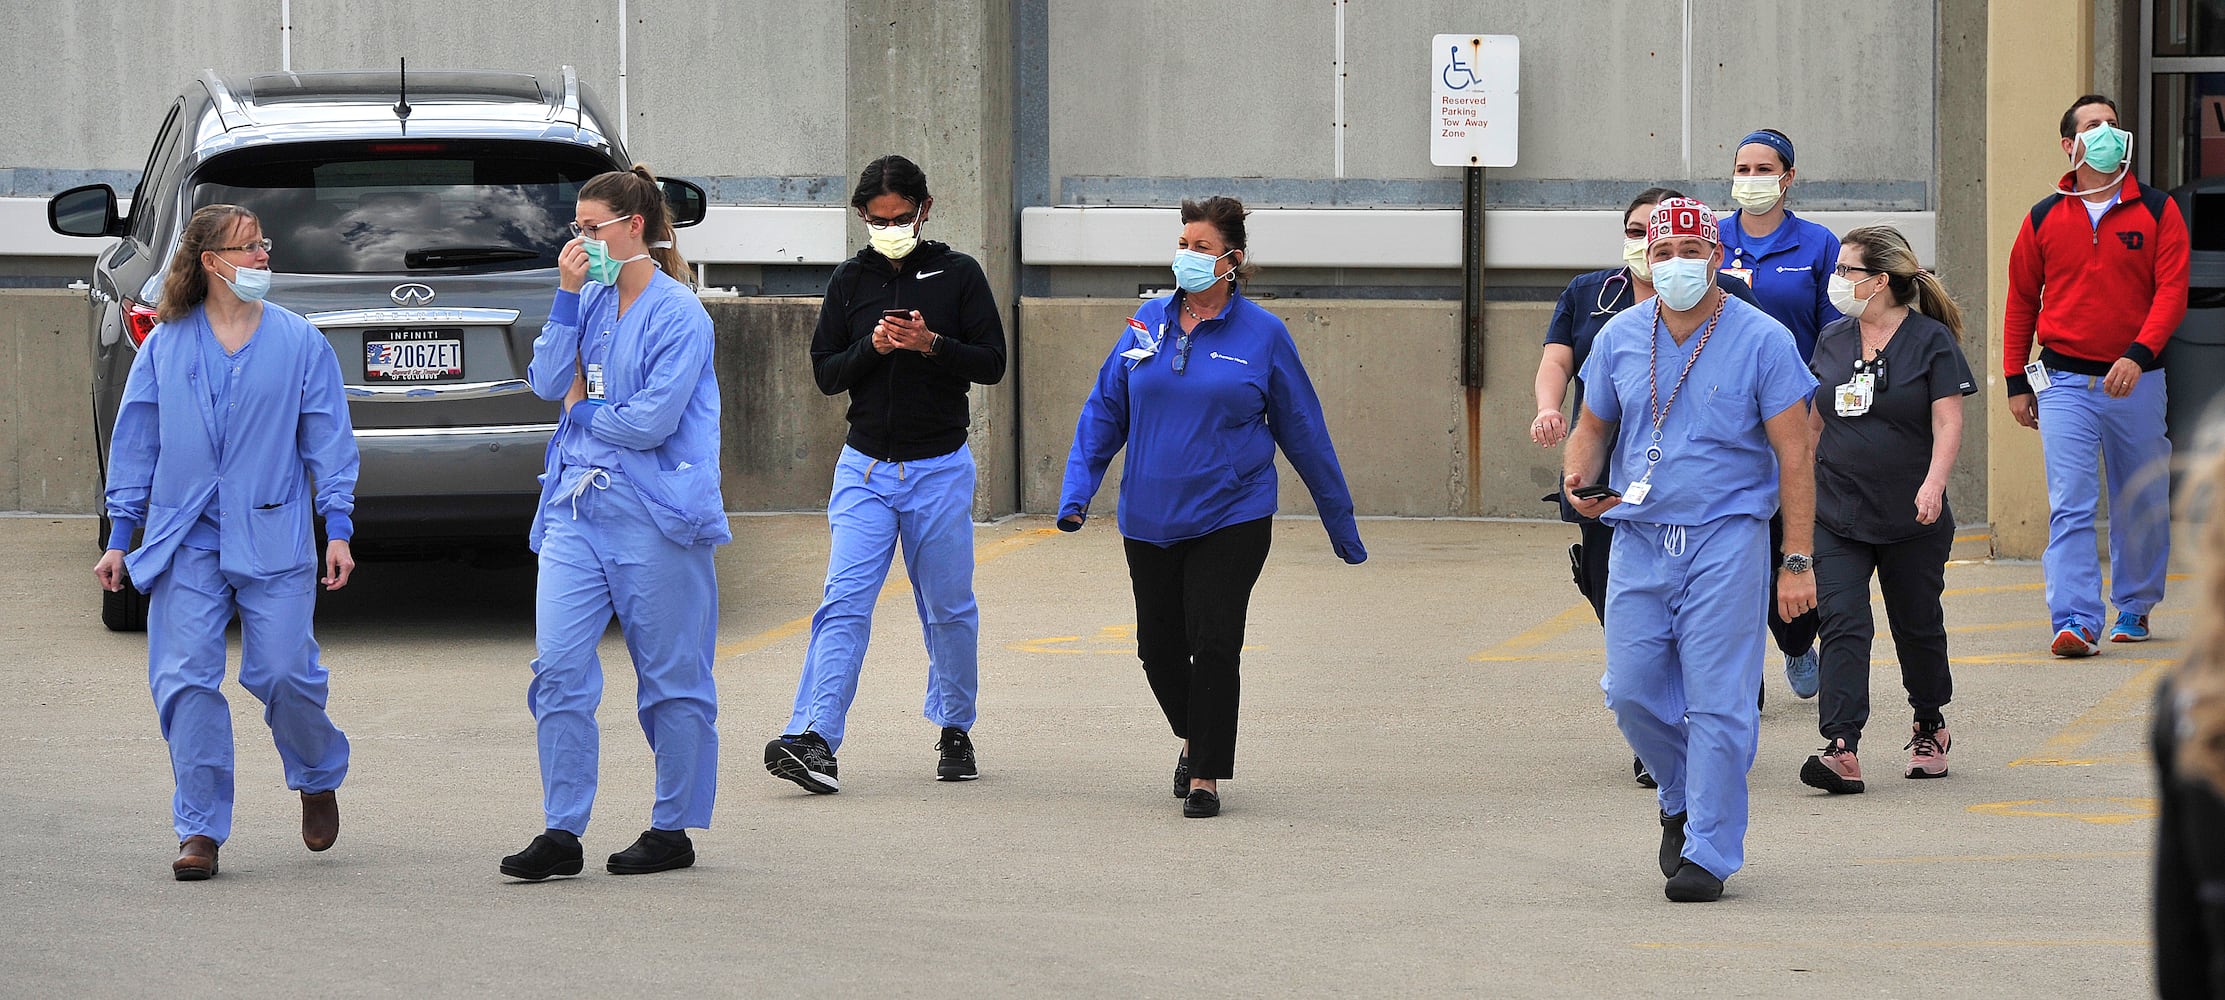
(196, 859)
(320, 819)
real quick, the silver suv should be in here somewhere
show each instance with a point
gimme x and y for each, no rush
(418, 228)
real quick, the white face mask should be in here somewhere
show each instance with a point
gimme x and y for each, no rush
(1841, 291)
(1758, 194)
(894, 242)
(1634, 255)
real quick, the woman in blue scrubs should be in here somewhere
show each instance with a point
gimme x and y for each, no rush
(630, 513)
(1201, 388)
(1788, 261)
(233, 430)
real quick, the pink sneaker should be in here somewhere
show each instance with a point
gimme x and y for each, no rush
(1927, 751)
(1833, 769)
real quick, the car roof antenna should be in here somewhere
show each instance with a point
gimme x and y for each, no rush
(401, 107)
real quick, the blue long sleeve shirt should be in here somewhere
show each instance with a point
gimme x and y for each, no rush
(281, 447)
(1790, 270)
(658, 420)
(1201, 442)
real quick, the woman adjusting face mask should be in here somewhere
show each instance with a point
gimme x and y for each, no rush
(601, 267)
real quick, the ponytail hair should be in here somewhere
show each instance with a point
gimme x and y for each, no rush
(1885, 251)
(184, 283)
(636, 192)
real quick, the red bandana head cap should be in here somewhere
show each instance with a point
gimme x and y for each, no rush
(1682, 217)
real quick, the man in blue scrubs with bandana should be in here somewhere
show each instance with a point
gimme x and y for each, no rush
(1702, 400)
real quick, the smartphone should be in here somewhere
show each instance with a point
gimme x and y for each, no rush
(896, 313)
(1595, 491)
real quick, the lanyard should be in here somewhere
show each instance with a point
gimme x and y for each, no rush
(1653, 374)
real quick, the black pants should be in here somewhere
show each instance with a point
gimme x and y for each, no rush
(1912, 574)
(1598, 541)
(1191, 598)
(1798, 635)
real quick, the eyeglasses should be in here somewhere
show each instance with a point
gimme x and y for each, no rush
(580, 230)
(903, 221)
(263, 244)
(1843, 270)
(1181, 353)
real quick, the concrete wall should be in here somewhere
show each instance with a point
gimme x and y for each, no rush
(46, 414)
(1389, 378)
(780, 435)
(1962, 262)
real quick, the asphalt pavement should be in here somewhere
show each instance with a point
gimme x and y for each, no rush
(1429, 800)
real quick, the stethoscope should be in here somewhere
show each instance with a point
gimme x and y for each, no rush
(1607, 304)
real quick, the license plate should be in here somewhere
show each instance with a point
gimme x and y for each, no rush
(413, 355)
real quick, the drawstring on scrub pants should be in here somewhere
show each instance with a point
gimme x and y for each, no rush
(1672, 540)
(597, 478)
(876, 463)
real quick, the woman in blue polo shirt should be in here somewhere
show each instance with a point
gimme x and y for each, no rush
(1586, 305)
(1788, 261)
(1201, 388)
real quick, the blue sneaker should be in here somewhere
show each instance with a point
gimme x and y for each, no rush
(1800, 672)
(2129, 628)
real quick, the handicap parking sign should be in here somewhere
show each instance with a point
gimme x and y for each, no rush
(1475, 100)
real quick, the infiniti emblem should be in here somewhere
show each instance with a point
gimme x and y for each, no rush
(411, 294)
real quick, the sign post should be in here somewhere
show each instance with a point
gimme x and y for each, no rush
(1475, 105)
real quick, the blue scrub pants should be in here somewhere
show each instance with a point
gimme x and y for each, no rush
(2077, 421)
(1684, 651)
(187, 611)
(926, 506)
(611, 559)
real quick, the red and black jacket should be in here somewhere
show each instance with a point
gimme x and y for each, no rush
(2112, 290)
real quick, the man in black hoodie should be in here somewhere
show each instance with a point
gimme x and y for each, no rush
(907, 328)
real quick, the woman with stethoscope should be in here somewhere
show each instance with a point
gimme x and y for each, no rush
(1788, 261)
(1584, 307)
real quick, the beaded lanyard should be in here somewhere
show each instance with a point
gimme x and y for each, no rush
(1653, 378)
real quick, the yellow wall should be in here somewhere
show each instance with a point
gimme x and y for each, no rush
(2039, 56)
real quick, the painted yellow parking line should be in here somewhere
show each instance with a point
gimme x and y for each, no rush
(894, 588)
(1518, 647)
(2127, 704)
(2108, 810)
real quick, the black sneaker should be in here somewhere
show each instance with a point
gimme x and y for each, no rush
(655, 851)
(1672, 843)
(555, 852)
(1693, 884)
(957, 756)
(1182, 777)
(805, 760)
(1645, 777)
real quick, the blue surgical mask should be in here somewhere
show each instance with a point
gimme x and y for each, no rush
(249, 283)
(1195, 272)
(1682, 281)
(601, 268)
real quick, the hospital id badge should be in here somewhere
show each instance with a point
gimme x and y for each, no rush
(2036, 373)
(1137, 353)
(594, 381)
(1636, 494)
(1853, 399)
(1745, 274)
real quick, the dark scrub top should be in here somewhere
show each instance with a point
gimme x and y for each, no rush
(1869, 467)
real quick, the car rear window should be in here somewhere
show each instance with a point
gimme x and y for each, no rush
(415, 207)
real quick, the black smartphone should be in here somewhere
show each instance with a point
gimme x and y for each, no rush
(897, 313)
(1594, 491)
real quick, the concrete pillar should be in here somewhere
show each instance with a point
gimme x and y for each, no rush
(2039, 56)
(1962, 258)
(932, 79)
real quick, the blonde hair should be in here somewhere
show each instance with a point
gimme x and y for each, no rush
(184, 283)
(1885, 251)
(636, 192)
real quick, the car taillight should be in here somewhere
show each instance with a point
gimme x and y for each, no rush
(139, 321)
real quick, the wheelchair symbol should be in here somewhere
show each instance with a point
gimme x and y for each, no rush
(1456, 70)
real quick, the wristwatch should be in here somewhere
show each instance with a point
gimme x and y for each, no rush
(1797, 563)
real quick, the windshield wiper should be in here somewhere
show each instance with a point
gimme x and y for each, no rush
(462, 256)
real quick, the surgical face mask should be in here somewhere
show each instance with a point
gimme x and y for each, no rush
(1681, 282)
(249, 283)
(601, 268)
(2106, 147)
(893, 242)
(1195, 271)
(1841, 291)
(1634, 254)
(1758, 194)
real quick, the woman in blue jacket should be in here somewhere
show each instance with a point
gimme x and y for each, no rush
(231, 400)
(1788, 261)
(630, 512)
(1201, 388)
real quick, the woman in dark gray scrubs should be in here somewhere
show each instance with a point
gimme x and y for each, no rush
(1888, 416)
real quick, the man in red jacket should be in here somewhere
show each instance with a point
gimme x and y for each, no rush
(2098, 277)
